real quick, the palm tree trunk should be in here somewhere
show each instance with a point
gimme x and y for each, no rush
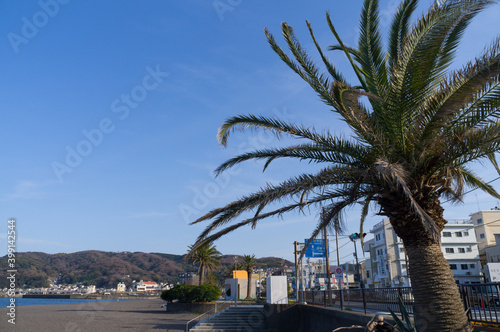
(249, 276)
(437, 301)
(202, 274)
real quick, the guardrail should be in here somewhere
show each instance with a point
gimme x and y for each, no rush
(208, 313)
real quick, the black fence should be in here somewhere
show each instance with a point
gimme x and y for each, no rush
(481, 301)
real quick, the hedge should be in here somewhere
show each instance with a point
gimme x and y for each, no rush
(192, 293)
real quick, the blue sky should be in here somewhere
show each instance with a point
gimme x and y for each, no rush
(110, 111)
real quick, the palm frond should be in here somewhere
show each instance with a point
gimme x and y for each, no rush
(352, 51)
(399, 30)
(428, 50)
(276, 126)
(355, 67)
(370, 50)
(339, 152)
(469, 97)
(336, 75)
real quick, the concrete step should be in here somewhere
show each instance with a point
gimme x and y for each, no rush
(229, 330)
(241, 318)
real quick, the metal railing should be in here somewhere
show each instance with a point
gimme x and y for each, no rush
(218, 308)
(375, 298)
(481, 301)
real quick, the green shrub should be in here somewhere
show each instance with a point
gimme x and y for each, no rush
(191, 293)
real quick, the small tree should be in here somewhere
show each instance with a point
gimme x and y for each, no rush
(207, 256)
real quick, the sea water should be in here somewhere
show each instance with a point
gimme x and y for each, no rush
(5, 301)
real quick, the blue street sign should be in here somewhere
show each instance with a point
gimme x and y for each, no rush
(316, 249)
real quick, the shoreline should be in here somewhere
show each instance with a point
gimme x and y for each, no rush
(139, 315)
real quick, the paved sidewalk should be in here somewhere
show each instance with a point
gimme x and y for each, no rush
(129, 316)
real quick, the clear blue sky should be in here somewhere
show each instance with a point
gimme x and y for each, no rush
(110, 111)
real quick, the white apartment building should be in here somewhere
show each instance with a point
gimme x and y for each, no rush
(487, 225)
(387, 266)
(459, 247)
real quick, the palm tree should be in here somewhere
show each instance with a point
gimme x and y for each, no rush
(207, 256)
(237, 266)
(249, 263)
(414, 137)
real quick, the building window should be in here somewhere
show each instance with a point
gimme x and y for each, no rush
(469, 249)
(403, 266)
(368, 273)
(479, 221)
(464, 266)
(458, 234)
(377, 237)
(481, 236)
(449, 250)
(446, 234)
(401, 249)
(453, 266)
(461, 250)
(466, 233)
(472, 266)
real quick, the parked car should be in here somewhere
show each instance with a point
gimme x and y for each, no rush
(484, 295)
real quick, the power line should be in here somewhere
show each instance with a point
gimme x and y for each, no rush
(468, 192)
(334, 250)
(346, 256)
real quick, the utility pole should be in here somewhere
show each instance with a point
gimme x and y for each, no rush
(328, 286)
(296, 270)
(338, 265)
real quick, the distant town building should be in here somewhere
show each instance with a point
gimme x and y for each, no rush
(189, 278)
(240, 274)
(121, 288)
(145, 286)
(312, 275)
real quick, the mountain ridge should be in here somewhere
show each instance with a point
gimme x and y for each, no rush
(105, 269)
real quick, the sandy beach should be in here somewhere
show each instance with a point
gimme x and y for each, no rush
(130, 316)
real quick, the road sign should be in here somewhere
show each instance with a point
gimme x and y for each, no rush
(339, 273)
(316, 248)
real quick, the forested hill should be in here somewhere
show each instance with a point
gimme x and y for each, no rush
(106, 269)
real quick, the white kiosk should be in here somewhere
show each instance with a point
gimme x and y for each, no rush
(276, 289)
